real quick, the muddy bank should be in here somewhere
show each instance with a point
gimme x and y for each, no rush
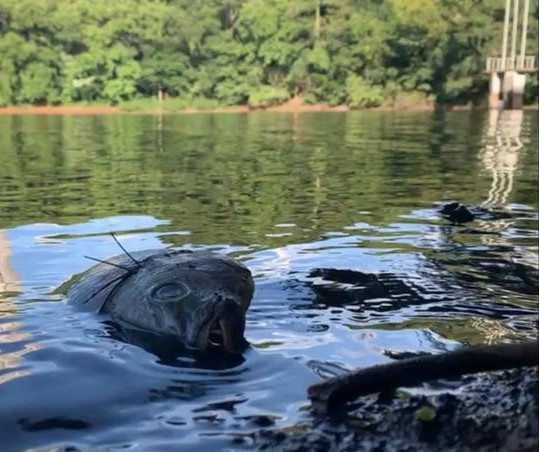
(108, 110)
(288, 107)
(60, 110)
(486, 412)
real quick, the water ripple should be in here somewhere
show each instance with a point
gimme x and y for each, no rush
(335, 215)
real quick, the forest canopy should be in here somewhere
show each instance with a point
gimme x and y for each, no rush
(362, 53)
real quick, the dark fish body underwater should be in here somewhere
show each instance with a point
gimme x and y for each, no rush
(198, 297)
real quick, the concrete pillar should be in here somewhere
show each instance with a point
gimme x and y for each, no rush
(519, 82)
(507, 85)
(513, 90)
(495, 88)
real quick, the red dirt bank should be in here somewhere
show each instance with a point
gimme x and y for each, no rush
(294, 105)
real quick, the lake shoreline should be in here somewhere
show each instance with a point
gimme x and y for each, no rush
(284, 108)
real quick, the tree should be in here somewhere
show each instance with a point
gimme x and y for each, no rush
(259, 52)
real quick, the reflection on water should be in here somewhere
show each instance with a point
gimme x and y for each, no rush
(9, 281)
(500, 153)
(333, 213)
(11, 331)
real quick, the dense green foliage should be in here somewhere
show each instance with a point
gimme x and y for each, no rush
(256, 52)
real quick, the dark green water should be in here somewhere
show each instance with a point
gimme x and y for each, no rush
(286, 194)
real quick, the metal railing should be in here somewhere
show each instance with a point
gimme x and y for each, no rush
(519, 64)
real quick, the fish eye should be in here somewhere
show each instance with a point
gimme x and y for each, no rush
(169, 292)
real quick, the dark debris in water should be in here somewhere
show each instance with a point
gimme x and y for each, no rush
(350, 287)
(457, 213)
(344, 276)
(261, 420)
(471, 269)
(52, 423)
(465, 277)
(460, 213)
(490, 412)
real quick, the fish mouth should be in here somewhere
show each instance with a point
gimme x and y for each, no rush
(224, 328)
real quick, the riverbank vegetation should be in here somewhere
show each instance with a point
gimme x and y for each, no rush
(257, 53)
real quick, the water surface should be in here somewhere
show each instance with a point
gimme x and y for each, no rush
(286, 194)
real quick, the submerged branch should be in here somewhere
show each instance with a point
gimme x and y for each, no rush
(330, 395)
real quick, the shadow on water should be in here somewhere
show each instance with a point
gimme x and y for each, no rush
(335, 215)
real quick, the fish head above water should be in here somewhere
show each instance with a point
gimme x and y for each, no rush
(198, 297)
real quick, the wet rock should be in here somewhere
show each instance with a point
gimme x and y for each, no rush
(489, 412)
